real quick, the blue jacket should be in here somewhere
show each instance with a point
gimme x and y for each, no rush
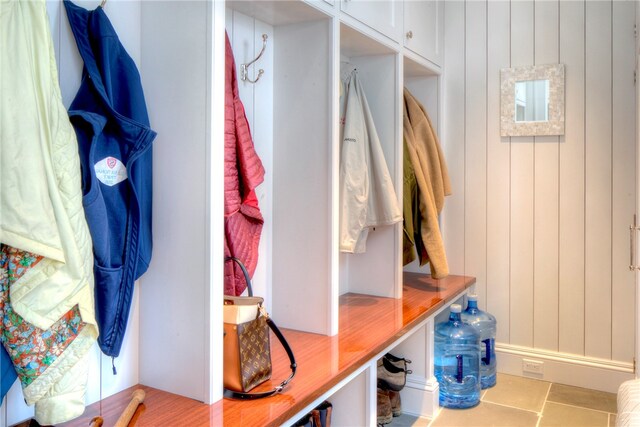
(7, 372)
(114, 139)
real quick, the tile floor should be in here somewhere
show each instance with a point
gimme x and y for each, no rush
(517, 401)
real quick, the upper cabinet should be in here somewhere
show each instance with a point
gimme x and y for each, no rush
(423, 29)
(383, 16)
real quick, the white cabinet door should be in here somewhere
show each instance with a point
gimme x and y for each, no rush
(423, 28)
(384, 16)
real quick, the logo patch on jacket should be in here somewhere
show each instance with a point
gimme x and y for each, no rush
(110, 171)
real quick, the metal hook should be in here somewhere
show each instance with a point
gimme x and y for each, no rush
(244, 72)
(103, 3)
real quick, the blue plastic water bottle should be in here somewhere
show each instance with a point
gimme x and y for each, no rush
(457, 361)
(485, 324)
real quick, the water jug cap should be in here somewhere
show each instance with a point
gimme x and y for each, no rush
(472, 297)
(456, 308)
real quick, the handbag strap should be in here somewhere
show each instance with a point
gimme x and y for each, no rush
(244, 271)
(250, 396)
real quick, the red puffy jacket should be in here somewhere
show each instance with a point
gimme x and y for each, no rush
(243, 172)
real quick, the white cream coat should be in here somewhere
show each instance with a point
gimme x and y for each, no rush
(367, 196)
(41, 203)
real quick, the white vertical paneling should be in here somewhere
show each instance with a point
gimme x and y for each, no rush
(546, 188)
(557, 208)
(242, 37)
(498, 171)
(262, 132)
(69, 61)
(598, 132)
(475, 257)
(453, 138)
(125, 16)
(15, 406)
(228, 24)
(522, 182)
(572, 181)
(624, 190)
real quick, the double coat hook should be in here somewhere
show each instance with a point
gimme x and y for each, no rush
(244, 72)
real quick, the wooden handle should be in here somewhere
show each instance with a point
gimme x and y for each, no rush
(136, 399)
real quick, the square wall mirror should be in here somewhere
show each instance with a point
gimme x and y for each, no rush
(532, 100)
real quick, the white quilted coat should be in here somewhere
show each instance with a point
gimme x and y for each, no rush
(41, 203)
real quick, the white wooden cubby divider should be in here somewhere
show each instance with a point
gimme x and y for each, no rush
(303, 226)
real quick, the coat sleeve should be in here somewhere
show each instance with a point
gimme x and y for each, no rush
(354, 179)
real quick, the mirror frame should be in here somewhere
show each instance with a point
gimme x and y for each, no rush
(508, 78)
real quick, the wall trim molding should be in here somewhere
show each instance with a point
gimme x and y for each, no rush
(421, 383)
(573, 359)
(563, 368)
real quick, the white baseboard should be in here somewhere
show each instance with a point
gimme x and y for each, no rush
(420, 397)
(563, 368)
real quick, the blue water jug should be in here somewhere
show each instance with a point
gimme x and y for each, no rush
(485, 324)
(457, 361)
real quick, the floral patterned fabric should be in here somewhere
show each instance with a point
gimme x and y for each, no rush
(31, 349)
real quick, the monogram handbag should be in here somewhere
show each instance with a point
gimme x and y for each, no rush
(247, 351)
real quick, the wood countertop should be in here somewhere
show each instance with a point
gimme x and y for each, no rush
(367, 325)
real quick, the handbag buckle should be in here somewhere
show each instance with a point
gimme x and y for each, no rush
(263, 312)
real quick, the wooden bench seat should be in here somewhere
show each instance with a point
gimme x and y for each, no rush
(368, 325)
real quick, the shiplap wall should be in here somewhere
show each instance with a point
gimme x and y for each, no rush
(543, 222)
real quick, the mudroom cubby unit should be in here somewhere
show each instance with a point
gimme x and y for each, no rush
(340, 312)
